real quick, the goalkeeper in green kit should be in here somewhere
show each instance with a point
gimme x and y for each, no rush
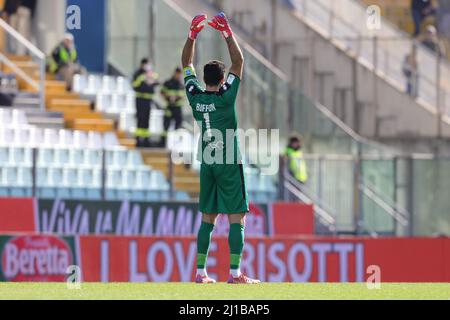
(222, 183)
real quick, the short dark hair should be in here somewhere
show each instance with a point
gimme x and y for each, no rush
(213, 73)
(294, 139)
(144, 61)
(178, 70)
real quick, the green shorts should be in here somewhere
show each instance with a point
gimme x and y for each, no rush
(222, 189)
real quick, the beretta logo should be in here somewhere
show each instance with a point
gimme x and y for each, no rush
(36, 258)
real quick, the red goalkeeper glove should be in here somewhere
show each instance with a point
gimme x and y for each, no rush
(220, 23)
(197, 25)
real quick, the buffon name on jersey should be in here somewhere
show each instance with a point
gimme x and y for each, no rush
(205, 107)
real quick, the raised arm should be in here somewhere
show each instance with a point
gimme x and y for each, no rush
(187, 57)
(220, 23)
(197, 25)
(237, 58)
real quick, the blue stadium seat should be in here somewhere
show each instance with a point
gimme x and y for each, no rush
(61, 157)
(158, 181)
(63, 192)
(49, 182)
(138, 195)
(18, 155)
(152, 196)
(9, 175)
(4, 155)
(128, 179)
(45, 156)
(93, 193)
(54, 176)
(94, 183)
(116, 158)
(134, 159)
(182, 196)
(4, 191)
(113, 180)
(69, 177)
(24, 176)
(92, 157)
(45, 192)
(76, 156)
(143, 178)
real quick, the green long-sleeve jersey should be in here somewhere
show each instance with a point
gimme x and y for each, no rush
(215, 112)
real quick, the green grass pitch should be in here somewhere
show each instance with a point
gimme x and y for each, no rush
(222, 291)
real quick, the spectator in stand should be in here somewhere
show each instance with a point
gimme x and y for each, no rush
(19, 13)
(64, 61)
(173, 91)
(296, 164)
(444, 18)
(145, 82)
(410, 70)
(431, 40)
(421, 9)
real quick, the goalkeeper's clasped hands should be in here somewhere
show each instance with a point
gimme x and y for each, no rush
(218, 22)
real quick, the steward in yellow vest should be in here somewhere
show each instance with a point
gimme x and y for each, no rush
(64, 61)
(295, 162)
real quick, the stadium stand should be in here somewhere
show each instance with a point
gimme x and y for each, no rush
(396, 11)
(69, 163)
(103, 104)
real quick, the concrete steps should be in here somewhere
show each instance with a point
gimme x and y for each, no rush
(184, 179)
(68, 109)
(44, 122)
(100, 125)
(130, 143)
(30, 103)
(189, 185)
(61, 96)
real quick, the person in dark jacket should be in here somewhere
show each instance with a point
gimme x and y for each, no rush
(145, 81)
(420, 10)
(19, 14)
(173, 92)
(411, 72)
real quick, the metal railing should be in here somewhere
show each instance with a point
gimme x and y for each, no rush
(35, 53)
(403, 194)
(382, 50)
(291, 188)
(351, 194)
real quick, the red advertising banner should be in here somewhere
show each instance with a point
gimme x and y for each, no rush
(17, 215)
(140, 259)
(292, 219)
(36, 257)
(447, 259)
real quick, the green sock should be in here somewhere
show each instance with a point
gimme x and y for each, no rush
(203, 241)
(236, 243)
